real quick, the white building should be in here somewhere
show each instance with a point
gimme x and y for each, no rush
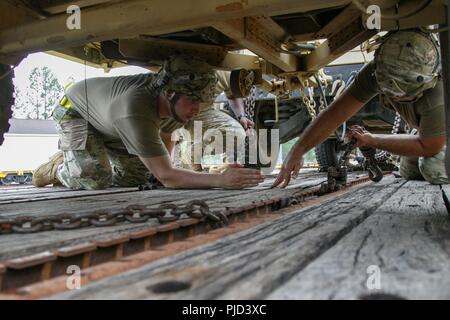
(28, 144)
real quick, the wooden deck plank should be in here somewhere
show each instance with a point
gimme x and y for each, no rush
(17, 190)
(17, 245)
(19, 194)
(250, 264)
(407, 238)
(58, 193)
(113, 201)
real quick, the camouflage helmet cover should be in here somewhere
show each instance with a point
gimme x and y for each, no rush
(187, 75)
(407, 64)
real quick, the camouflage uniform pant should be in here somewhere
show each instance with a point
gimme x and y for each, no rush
(210, 119)
(431, 169)
(94, 166)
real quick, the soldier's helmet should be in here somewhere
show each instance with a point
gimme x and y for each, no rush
(407, 64)
(187, 75)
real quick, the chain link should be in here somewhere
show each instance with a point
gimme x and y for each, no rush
(384, 156)
(249, 104)
(164, 213)
(308, 101)
(321, 104)
(397, 121)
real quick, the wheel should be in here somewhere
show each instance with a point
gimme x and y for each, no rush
(327, 154)
(5, 182)
(6, 98)
(27, 178)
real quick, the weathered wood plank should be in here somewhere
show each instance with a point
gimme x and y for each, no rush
(17, 245)
(57, 193)
(250, 264)
(17, 194)
(407, 239)
(114, 201)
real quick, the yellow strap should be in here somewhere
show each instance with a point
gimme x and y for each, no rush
(64, 102)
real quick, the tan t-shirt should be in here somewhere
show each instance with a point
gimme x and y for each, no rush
(223, 85)
(426, 114)
(123, 110)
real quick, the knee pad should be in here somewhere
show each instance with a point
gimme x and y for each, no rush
(433, 169)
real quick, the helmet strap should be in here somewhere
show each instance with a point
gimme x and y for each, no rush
(172, 103)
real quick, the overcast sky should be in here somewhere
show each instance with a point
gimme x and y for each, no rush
(64, 69)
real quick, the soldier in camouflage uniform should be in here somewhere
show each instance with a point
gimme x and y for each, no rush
(109, 131)
(211, 119)
(405, 72)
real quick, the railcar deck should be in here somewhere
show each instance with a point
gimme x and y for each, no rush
(328, 247)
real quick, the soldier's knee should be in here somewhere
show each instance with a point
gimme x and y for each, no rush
(96, 184)
(433, 169)
(407, 174)
(87, 174)
(129, 178)
(84, 183)
(409, 170)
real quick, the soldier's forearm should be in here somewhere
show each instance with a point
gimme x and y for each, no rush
(327, 122)
(172, 177)
(181, 178)
(237, 105)
(405, 145)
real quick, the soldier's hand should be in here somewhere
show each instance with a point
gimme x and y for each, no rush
(246, 123)
(362, 136)
(237, 177)
(290, 169)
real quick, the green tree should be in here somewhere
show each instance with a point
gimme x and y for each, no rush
(19, 108)
(43, 92)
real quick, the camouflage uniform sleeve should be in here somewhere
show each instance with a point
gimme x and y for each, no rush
(365, 85)
(432, 113)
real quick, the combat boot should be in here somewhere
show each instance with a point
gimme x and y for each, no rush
(45, 174)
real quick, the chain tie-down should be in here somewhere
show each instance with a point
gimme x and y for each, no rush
(164, 213)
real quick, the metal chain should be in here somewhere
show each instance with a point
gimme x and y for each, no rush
(321, 104)
(249, 103)
(385, 156)
(164, 213)
(346, 152)
(309, 102)
(397, 122)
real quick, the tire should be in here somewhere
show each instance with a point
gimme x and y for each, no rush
(6, 99)
(327, 154)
